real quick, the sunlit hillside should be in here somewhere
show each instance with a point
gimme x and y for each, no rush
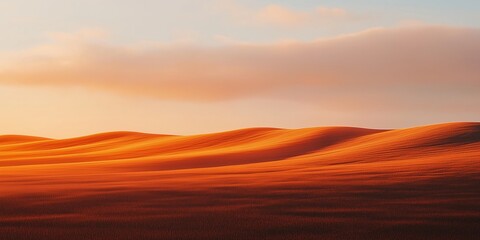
(333, 182)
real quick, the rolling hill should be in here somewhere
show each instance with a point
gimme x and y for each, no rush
(258, 183)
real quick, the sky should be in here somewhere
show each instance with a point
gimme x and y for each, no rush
(71, 68)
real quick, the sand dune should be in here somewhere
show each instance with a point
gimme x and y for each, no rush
(14, 139)
(314, 183)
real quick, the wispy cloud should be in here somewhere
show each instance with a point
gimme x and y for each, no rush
(284, 16)
(277, 14)
(423, 65)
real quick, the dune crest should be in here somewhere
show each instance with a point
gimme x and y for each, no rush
(14, 139)
(132, 150)
(156, 152)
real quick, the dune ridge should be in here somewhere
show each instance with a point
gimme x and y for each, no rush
(303, 183)
(237, 147)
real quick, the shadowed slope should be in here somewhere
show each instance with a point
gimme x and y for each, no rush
(139, 151)
(418, 142)
(173, 152)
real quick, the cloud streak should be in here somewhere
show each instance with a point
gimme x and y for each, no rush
(423, 65)
(283, 16)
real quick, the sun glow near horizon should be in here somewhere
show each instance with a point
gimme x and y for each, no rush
(235, 64)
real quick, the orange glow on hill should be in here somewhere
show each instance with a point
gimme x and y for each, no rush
(330, 182)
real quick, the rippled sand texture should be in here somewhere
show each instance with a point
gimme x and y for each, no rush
(262, 183)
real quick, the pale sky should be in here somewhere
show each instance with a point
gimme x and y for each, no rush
(70, 68)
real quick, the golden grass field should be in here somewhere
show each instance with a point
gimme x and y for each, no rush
(260, 183)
